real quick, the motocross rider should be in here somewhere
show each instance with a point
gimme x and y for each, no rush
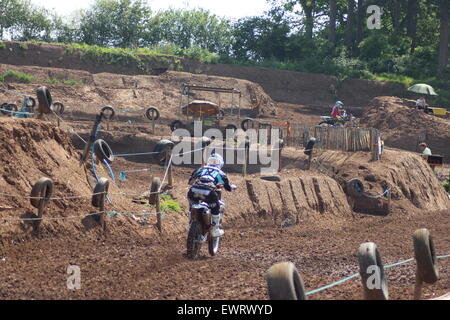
(338, 110)
(204, 182)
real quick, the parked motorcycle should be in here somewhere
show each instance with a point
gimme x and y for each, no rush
(337, 122)
(200, 228)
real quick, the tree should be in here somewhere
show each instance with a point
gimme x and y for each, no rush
(308, 8)
(11, 12)
(443, 40)
(332, 26)
(411, 21)
(350, 25)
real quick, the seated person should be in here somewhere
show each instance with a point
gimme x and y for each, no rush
(421, 104)
(424, 149)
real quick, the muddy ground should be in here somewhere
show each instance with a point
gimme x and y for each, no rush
(134, 261)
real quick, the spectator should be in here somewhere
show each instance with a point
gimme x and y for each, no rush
(424, 149)
(421, 103)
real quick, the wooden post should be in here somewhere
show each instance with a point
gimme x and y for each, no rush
(246, 156)
(102, 212)
(41, 211)
(169, 166)
(153, 125)
(418, 287)
(158, 213)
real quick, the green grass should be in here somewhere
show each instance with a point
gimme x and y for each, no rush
(169, 205)
(447, 186)
(15, 76)
(3, 45)
(67, 82)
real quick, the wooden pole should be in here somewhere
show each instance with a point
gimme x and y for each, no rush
(418, 287)
(158, 213)
(169, 166)
(102, 212)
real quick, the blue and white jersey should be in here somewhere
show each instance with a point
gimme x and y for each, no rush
(211, 176)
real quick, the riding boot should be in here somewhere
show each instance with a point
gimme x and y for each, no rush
(215, 222)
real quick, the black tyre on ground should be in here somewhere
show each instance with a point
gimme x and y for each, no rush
(10, 107)
(31, 102)
(58, 107)
(245, 124)
(101, 186)
(108, 112)
(193, 246)
(427, 267)
(285, 283)
(177, 124)
(102, 151)
(372, 274)
(45, 99)
(42, 190)
(220, 115)
(355, 187)
(152, 113)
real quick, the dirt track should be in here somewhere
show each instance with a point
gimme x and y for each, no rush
(134, 262)
(136, 268)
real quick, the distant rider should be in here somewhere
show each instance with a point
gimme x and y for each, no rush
(204, 183)
(338, 110)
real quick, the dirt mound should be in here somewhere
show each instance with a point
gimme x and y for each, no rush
(404, 127)
(32, 149)
(132, 95)
(413, 185)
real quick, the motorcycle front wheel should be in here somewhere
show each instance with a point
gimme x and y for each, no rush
(193, 244)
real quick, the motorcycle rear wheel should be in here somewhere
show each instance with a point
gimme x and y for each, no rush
(193, 245)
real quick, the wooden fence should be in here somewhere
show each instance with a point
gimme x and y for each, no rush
(333, 138)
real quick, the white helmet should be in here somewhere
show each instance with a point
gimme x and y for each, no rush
(215, 160)
(339, 104)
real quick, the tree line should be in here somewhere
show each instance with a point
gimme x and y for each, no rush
(326, 36)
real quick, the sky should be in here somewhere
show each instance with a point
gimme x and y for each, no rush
(225, 8)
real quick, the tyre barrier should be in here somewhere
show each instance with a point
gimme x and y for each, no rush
(220, 115)
(100, 192)
(285, 283)
(372, 274)
(163, 145)
(102, 151)
(310, 146)
(31, 102)
(58, 107)
(109, 109)
(41, 192)
(8, 109)
(152, 114)
(231, 127)
(44, 99)
(177, 124)
(355, 187)
(154, 189)
(424, 253)
(246, 123)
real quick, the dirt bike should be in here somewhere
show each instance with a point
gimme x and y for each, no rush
(337, 122)
(200, 228)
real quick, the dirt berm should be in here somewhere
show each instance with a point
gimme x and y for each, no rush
(413, 185)
(405, 127)
(32, 149)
